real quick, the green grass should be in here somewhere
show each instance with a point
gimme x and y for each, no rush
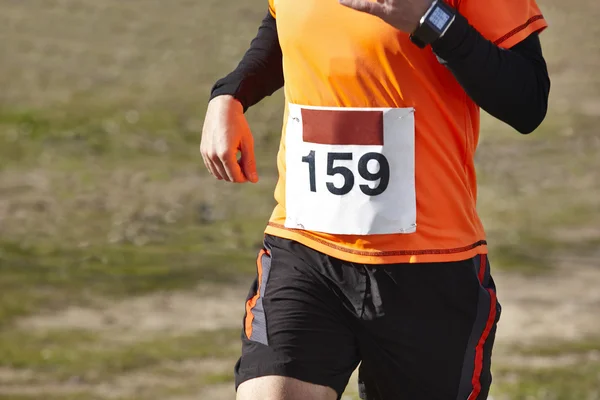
(515, 258)
(581, 382)
(537, 251)
(51, 277)
(572, 371)
(119, 222)
(94, 358)
(111, 133)
(78, 133)
(71, 396)
(559, 348)
(215, 379)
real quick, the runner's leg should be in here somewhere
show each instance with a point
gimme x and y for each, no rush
(428, 331)
(297, 341)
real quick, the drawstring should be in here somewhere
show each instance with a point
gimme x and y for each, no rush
(372, 303)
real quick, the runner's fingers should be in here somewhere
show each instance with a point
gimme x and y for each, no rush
(366, 6)
(215, 165)
(232, 169)
(212, 169)
(218, 167)
(208, 163)
(248, 161)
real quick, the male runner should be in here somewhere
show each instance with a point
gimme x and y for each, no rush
(374, 253)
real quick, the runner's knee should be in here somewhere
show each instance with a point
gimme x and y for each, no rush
(283, 388)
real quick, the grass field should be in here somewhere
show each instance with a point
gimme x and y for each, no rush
(124, 266)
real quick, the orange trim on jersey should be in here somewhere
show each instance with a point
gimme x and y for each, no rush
(476, 381)
(518, 29)
(250, 304)
(381, 253)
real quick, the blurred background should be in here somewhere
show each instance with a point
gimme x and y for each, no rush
(124, 266)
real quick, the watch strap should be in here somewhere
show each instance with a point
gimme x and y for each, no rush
(433, 24)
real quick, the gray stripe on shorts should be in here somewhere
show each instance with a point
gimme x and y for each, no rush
(259, 323)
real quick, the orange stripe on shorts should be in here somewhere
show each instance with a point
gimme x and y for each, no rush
(250, 304)
(476, 380)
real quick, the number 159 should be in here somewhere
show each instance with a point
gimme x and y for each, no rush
(382, 175)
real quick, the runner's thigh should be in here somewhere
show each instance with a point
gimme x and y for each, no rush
(433, 335)
(295, 325)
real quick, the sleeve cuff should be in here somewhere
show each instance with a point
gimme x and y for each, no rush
(455, 42)
(230, 85)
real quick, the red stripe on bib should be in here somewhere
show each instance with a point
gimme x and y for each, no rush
(350, 127)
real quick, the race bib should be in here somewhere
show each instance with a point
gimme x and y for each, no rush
(350, 171)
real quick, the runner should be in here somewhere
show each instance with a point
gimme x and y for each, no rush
(375, 254)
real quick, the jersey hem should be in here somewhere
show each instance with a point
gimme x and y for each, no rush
(376, 257)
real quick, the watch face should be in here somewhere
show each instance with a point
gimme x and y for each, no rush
(438, 19)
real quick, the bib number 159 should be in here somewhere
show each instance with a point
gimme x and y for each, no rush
(382, 175)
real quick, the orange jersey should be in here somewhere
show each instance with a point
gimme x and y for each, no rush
(376, 158)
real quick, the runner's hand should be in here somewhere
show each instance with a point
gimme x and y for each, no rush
(226, 132)
(401, 14)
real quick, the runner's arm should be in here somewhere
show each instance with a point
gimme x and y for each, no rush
(260, 72)
(510, 84)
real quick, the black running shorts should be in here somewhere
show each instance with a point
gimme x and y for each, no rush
(418, 331)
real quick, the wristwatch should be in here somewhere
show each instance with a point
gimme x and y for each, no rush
(433, 24)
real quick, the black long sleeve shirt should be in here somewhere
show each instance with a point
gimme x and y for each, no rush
(510, 84)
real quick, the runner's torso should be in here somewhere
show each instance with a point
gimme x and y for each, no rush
(376, 157)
